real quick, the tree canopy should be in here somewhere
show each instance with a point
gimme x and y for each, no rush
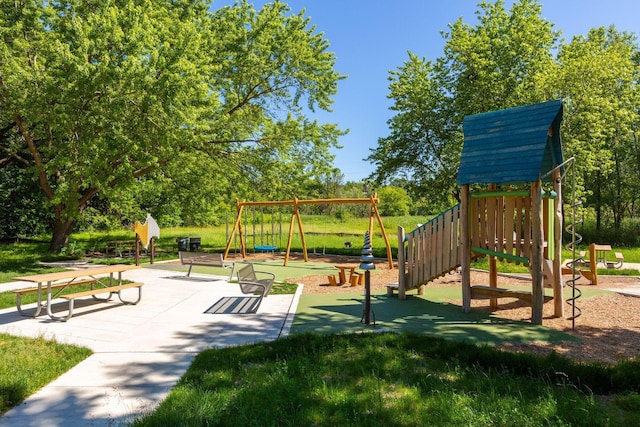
(96, 96)
(599, 76)
(509, 58)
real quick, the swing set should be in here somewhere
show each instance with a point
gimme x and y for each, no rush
(295, 216)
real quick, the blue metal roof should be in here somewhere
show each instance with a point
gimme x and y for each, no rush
(512, 145)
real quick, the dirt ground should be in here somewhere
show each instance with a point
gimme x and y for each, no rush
(609, 327)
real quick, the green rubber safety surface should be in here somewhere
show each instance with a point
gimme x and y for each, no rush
(427, 314)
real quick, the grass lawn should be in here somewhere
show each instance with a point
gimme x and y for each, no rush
(27, 364)
(388, 380)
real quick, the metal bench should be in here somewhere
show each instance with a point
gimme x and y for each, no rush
(205, 260)
(250, 283)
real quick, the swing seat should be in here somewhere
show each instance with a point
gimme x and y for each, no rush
(265, 248)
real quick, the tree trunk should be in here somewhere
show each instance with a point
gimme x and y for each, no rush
(597, 194)
(62, 229)
(617, 200)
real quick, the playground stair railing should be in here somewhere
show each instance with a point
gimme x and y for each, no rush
(430, 251)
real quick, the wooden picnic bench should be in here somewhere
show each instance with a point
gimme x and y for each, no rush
(205, 260)
(58, 282)
(342, 275)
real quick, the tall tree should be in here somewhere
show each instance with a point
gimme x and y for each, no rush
(424, 142)
(394, 201)
(599, 79)
(104, 93)
(498, 63)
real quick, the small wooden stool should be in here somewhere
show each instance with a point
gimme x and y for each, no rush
(332, 280)
(354, 279)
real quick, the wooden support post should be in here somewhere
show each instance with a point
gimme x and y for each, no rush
(237, 226)
(137, 249)
(558, 296)
(493, 278)
(243, 246)
(304, 242)
(293, 217)
(402, 272)
(371, 215)
(374, 211)
(593, 265)
(465, 243)
(493, 213)
(296, 215)
(537, 248)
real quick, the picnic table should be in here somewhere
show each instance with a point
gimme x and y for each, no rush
(598, 255)
(54, 283)
(601, 254)
(120, 247)
(342, 275)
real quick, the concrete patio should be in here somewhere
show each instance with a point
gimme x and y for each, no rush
(140, 351)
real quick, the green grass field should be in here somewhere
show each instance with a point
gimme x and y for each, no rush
(390, 380)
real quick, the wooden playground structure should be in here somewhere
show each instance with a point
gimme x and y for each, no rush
(511, 152)
(374, 215)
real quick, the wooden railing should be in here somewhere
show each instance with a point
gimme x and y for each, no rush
(500, 226)
(429, 251)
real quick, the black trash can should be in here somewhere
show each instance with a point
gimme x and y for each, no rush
(183, 244)
(194, 244)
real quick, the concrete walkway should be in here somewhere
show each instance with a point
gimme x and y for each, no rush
(631, 290)
(140, 351)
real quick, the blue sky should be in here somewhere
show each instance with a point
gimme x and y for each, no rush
(372, 37)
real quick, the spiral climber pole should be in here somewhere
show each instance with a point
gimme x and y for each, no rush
(576, 238)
